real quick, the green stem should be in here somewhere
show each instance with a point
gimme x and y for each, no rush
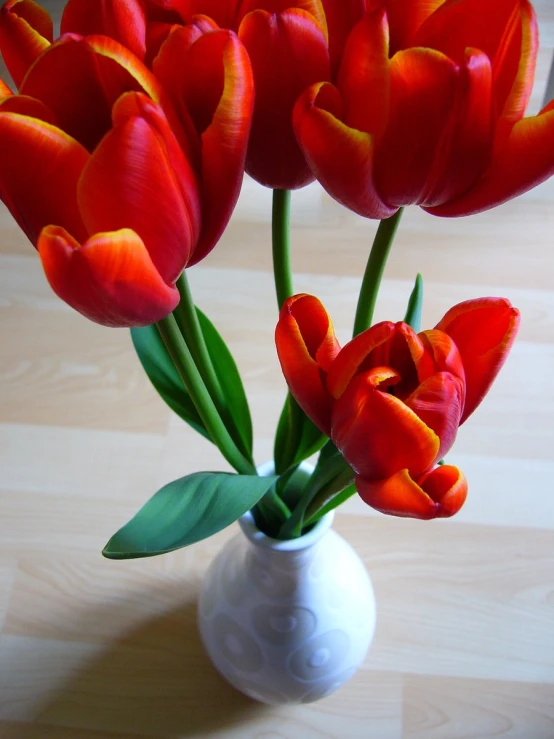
(374, 271)
(184, 364)
(187, 320)
(330, 476)
(189, 325)
(342, 481)
(280, 234)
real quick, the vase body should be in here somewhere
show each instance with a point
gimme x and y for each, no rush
(287, 621)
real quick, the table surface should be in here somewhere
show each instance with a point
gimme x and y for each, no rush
(95, 649)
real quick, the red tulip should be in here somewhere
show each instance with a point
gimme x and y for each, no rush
(428, 109)
(291, 44)
(118, 191)
(392, 400)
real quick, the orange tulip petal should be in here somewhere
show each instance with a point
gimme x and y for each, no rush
(215, 88)
(110, 279)
(424, 88)
(447, 486)
(356, 356)
(483, 331)
(95, 70)
(26, 30)
(364, 75)
(524, 160)
(377, 433)
(342, 158)
(288, 52)
(439, 402)
(444, 353)
(439, 494)
(131, 182)
(41, 166)
(307, 346)
(123, 21)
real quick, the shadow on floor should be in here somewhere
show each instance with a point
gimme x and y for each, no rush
(155, 681)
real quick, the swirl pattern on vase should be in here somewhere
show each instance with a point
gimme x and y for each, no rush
(284, 626)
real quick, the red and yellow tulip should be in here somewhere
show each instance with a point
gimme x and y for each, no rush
(428, 109)
(291, 44)
(119, 187)
(392, 400)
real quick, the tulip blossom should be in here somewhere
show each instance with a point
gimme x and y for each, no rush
(291, 44)
(119, 190)
(392, 400)
(428, 109)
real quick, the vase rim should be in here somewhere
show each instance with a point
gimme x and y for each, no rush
(253, 534)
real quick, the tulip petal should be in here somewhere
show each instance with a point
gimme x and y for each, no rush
(524, 48)
(41, 166)
(466, 147)
(96, 70)
(169, 11)
(307, 346)
(110, 279)
(364, 75)
(123, 21)
(357, 356)
(341, 16)
(502, 29)
(27, 106)
(439, 494)
(424, 88)
(444, 352)
(377, 433)
(5, 91)
(439, 402)
(288, 52)
(225, 139)
(223, 12)
(405, 20)
(342, 158)
(131, 182)
(26, 30)
(483, 331)
(525, 159)
(209, 78)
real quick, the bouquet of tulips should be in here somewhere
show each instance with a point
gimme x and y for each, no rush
(122, 154)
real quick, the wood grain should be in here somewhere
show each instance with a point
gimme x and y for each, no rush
(92, 649)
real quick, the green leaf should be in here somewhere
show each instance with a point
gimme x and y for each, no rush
(413, 313)
(186, 511)
(161, 371)
(297, 438)
(240, 422)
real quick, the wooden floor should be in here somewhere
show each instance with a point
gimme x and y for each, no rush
(95, 649)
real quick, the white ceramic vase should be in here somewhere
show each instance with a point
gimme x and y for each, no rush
(287, 621)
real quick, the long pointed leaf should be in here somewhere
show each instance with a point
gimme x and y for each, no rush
(186, 511)
(415, 303)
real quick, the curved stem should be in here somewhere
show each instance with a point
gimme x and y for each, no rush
(184, 364)
(374, 271)
(280, 234)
